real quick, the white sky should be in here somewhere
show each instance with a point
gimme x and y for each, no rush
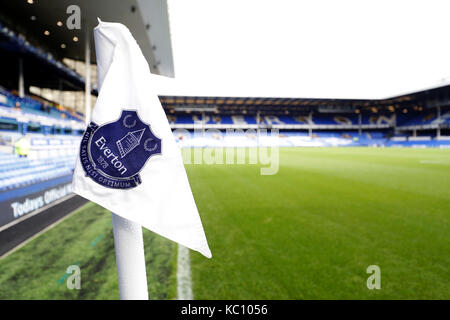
(320, 48)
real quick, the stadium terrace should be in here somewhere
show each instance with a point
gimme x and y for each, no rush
(419, 119)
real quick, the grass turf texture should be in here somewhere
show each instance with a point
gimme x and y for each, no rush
(310, 231)
(38, 269)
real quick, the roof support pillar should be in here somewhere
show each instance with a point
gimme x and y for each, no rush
(87, 85)
(203, 123)
(60, 93)
(438, 130)
(21, 85)
(360, 123)
(258, 131)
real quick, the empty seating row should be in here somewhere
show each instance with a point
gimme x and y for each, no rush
(317, 119)
(16, 172)
(27, 179)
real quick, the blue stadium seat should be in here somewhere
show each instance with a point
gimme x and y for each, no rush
(18, 172)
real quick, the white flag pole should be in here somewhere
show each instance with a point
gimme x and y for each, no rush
(130, 259)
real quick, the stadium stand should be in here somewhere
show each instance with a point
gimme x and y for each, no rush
(43, 171)
(419, 119)
(48, 75)
(18, 112)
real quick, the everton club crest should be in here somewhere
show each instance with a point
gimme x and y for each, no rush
(113, 154)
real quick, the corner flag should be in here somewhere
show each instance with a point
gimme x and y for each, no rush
(129, 162)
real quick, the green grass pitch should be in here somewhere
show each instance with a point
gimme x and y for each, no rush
(308, 232)
(38, 269)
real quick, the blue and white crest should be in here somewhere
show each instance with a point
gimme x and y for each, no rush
(113, 154)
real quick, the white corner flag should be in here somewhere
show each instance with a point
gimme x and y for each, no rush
(129, 162)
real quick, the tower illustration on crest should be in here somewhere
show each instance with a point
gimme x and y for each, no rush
(130, 141)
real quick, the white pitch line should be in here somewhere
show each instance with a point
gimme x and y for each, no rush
(184, 282)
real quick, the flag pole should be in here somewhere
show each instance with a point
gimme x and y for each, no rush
(130, 259)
